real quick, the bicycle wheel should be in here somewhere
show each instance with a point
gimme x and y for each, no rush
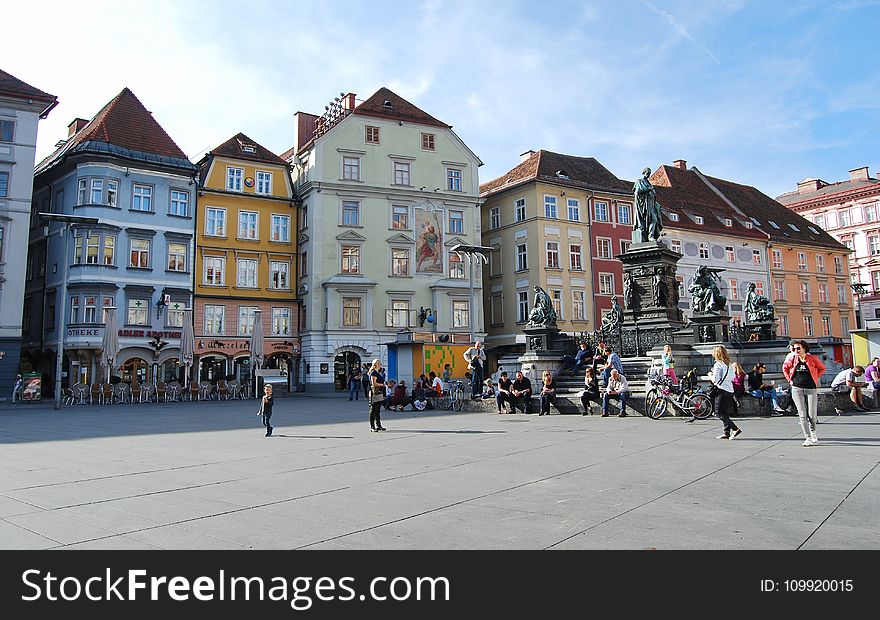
(657, 408)
(698, 405)
(445, 401)
(650, 396)
(458, 400)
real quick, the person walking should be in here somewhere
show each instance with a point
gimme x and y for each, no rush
(668, 363)
(354, 382)
(476, 358)
(266, 409)
(803, 371)
(548, 392)
(377, 393)
(721, 376)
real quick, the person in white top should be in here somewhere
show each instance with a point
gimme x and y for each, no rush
(618, 389)
(721, 376)
(476, 359)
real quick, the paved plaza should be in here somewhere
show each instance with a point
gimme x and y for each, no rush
(203, 476)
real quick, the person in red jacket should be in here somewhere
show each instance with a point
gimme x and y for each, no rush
(803, 371)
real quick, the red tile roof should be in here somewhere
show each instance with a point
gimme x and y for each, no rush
(234, 148)
(579, 172)
(386, 104)
(11, 86)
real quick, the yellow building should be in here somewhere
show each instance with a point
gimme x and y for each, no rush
(246, 261)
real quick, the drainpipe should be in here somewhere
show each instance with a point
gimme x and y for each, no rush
(592, 292)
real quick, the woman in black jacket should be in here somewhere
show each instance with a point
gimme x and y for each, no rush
(591, 392)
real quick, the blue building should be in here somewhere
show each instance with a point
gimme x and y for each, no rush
(123, 169)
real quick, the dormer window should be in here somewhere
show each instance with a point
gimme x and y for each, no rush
(747, 224)
(698, 219)
(387, 105)
(728, 222)
(247, 148)
(673, 217)
(562, 174)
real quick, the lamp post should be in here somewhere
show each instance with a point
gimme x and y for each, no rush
(66, 221)
(859, 289)
(474, 253)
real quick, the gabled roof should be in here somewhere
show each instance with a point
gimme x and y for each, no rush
(388, 105)
(11, 86)
(828, 190)
(684, 193)
(579, 172)
(234, 148)
(123, 128)
(792, 228)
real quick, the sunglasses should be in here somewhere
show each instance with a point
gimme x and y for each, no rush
(796, 348)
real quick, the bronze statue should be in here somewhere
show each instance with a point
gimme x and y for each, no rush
(648, 220)
(758, 307)
(628, 291)
(661, 290)
(614, 319)
(705, 294)
(543, 313)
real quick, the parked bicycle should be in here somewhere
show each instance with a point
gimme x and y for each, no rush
(453, 398)
(686, 398)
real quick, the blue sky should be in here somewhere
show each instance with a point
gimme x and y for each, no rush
(764, 93)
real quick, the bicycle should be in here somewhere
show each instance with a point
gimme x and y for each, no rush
(686, 398)
(453, 398)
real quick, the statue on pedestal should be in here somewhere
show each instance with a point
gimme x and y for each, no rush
(660, 288)
(758, 307)
(705, 294)
(648, 220)
(543, 313)
(628, 291)
(614, 319)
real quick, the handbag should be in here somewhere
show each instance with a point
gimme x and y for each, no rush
(714, 389)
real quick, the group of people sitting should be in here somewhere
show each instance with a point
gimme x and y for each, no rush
(425, 391)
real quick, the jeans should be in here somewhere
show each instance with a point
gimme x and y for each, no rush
(354, 390)
(546, 401)
(807, 403)
(366, 386)
(771, 394)
(477, 380)
(622, 397)
(524, 402)
(267, 424)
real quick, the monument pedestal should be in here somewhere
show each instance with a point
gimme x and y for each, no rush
(545, 346)
(710, 327)
(764, 330)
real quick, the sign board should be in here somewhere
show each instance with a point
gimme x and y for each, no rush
(31, 386)
(325, 369)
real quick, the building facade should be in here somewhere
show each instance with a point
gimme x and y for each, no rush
(558, 222)
(850, 212)
(21, 108)
(387, 190)
(123, 169)
(246, 261)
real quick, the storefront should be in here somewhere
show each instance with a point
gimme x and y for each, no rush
(222, 358)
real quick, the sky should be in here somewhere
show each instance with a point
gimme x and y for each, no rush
(760, 92)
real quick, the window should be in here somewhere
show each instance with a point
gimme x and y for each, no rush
(675, 245)
(351, 311)
(759, 287)
(779, 290)
(603, 247)
(497, 302)
(401, 173)
(522, 305)
(97, 191)
(874, 245)
(550, 207)
(246, 317)
(553, 255)
(215, 270)
(870, 214)
(456, 266)
(841, 294)
(351, 168)
(844, 325)
(673, 217)
(138, 309)
(734, 290)
(606, 284)
(247, 273)
(494, 217)
(140, 253)
(74, 309)
(600, 211)
(625, 245)
(802, 261)
(574, 210)
(838, 265)
(729, 253)
(456, 222)
(496, 265)
(177, 256)
(820, 221)
(574, 257)
(783, 325)
(142, 198)
(399, 315)
(280, 228)
(400, 217)
(756, 257)
(351, 213)
(233, 179)
(371, 134)
(399, 262)
(247, 224)
(728, 222)
(698, 219)
(519, 208)
(623, 214)
(556, 300)
(875, 279)
(823, 293)
(264, 182)
(843, 218)
(304, 216)
(460, 314)
(7, 131)
(93, 243)
(808, 326)
(112, 192)
(351, 259)
(773, 224)
(704, 250)
(777, 259)
(82, 188)
(578, 306)
(215, 222)
(174, 317)
(427, 142)
(522, 262)
(215, 317)
(848, 242)
(805, 292)
(280, 274)
(453, 180)
(304, 264)
(280, 321)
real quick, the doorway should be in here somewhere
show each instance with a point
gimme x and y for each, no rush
(341, 365)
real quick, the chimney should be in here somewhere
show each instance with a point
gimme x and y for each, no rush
(303, 129)
(808, 185)
(859, 174)
(681, 164)
(524, 156)
(75, 126)
(348, 101)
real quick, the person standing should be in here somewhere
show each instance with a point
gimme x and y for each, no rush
(16, 390)
(803, 371)
(618, 389)
(354, 382)
(266, 409)
(476, 358)
(377, 384)
(522, 391)
(721, 376)
(365, 381)
(548, 392)
(668, 363)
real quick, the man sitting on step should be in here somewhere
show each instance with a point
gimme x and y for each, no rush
(617, 389)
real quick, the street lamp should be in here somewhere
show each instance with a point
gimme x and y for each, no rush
(66, 221)
(859, 289)
(473, 253)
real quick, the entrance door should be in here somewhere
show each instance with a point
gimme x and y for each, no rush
(134, 369)
(341, 365)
